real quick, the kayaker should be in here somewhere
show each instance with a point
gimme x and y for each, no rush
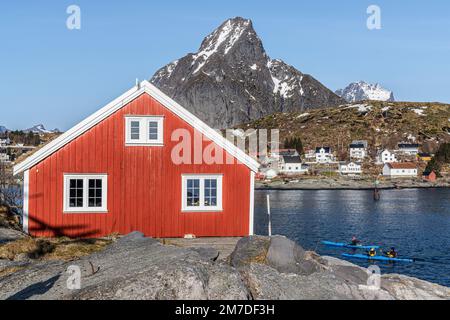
(372, 252)
(355, 241)
(392, 253)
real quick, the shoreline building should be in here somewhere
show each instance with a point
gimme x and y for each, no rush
(400, 170)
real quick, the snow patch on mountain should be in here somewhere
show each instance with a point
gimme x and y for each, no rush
(40, 129)
(228, 34)
(359, 91)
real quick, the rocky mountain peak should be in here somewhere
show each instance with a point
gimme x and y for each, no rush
(232, 80)
(361, 90)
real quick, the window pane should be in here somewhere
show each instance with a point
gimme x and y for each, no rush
(95, 193)
(135, 130)
(210, 192)
(153, 130)
(76, 193)
(193, 193)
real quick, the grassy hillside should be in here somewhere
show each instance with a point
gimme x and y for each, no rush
(383, 124)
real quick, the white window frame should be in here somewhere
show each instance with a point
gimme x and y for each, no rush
(144, 139)
(86, 208)
(202, 207)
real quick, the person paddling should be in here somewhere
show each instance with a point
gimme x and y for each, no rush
(372, 252)
(392, 253)
(355, 241)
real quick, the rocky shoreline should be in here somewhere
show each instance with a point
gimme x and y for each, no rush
(259, 268)
(348, 184)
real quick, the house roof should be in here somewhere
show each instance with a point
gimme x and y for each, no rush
(408, 145)
(120, 102)
(424, 154)
(292, 159)
(327, 149)
(402, 165)
(359, 144)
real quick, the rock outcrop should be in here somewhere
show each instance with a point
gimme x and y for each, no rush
(135, 267)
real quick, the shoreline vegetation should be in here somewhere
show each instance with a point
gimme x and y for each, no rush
(348, 184)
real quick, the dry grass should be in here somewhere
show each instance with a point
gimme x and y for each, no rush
(7, 220)
(9, 270)
(52, 249)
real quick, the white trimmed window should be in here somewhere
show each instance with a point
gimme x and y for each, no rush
(85, 193)
(201, 193)
(144, 130)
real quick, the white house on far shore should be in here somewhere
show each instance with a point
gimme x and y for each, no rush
(358, 149)
(386, 156)
(351, 168)
(292, 165)
(324, 155)
(411, 149)
(399, 170)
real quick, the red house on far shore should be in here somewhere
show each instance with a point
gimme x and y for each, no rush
(430, 176)
(120, 170)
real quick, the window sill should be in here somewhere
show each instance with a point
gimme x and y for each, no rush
(188, 210)
(86, 212)
(130, 144)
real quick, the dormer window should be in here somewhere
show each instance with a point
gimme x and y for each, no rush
(144, 131)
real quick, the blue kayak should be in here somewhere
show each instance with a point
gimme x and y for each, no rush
(349, 246)
(380, 258)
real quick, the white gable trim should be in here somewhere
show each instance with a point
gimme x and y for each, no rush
(120, 102)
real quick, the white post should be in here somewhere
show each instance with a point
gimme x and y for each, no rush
(270, 217)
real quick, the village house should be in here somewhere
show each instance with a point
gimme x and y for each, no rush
(386, 156)
(4, 158)
(410, 149)
(351, 168)
(278, 154)
(426, 157)
(293, 165)
(358, 149)
(430, 176)
(5, 142)
(400, 170)
(324, 155)
(123, 169)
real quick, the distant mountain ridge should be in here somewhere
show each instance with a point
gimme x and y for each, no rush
(231, 80)
(40, 128)
(360, 91)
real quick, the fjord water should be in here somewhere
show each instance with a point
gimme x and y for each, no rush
(414, 221)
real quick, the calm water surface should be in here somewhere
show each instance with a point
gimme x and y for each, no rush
(415, 221)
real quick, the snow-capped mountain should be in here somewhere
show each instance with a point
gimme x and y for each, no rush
(3, 129)
(40, 129)
(231, 79)
(359, 91)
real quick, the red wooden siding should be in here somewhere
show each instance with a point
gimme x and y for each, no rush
(144, 186)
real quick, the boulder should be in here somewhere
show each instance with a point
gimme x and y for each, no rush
(250, 249)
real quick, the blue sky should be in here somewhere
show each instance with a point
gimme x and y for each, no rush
(55, 76)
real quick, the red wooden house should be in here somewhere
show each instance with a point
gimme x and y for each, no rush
(115, 173)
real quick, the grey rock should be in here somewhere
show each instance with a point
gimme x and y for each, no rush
(207, 253)
(231, 80)
(250, 249)
(8, 235)
(132, 268)
(139, 268)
